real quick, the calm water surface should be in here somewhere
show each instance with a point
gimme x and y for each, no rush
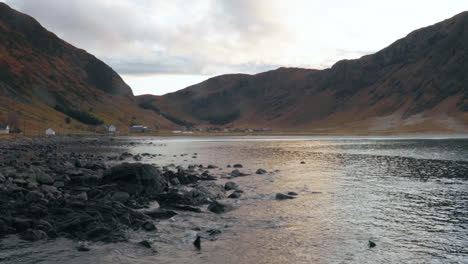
(408, 195)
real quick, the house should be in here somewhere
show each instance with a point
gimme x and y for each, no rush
(50, 132)
(138, 129)
(4, 129)
(112, 129)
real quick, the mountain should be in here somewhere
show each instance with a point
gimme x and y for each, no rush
(46, 82)
(417, 84)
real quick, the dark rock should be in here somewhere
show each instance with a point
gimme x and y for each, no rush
(212, 166)
(237, 173)
(303, 162)
(136, 179)
(231, 186)
(234, 195)
(43, 178)
(34, 196)
(33, 235)
(237, 166)
(160, 214)
(218, 208)
(197, 243)
(137, 157)
(121, 196)
(82, 247)
(148, 226)
(98, 233)
(2, 178)
(292, 193)
(145, 243)
(280, 196)
(372, 244)
(186, 208)
(21, 224)
(261, 171)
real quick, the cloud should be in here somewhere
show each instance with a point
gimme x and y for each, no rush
(209, 37)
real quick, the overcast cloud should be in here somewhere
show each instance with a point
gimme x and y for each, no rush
(210, 37)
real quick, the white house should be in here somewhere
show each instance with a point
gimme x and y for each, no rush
(4, 129)
(50, 132)
(112, 129)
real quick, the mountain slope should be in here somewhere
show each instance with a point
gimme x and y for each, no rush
(417, 84)
(43, 79)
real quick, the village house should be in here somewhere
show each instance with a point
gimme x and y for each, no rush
(50, 132)
(4, 129)
(138, 129)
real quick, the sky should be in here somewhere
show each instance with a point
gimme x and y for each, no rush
(160, 46)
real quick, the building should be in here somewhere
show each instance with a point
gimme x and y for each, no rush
(112, 129)
(138, 129)
(4, 129)
(50, 132)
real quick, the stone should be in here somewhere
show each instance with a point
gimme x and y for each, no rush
(43, 178)
(148, 226)
(145, 243)
(231, 186)
(292, 193)
(219, 208)
(237, 173)
(2, 178)
(82, 247)
(34, 196)
(280, 196)
(33, 235)
(261, 171)
(372, 244)
(197, 243)
(120, 196)
(303, 162)
(234, 195)
(160, 214)
(237, 166)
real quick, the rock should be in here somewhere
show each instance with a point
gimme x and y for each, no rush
(212, 166)
(303, 162)
(145, 243)
(234, 195)
(98, 233)
(34, 196)
(218, 208)
(83, 196)
(292, 193)
(2, 178)
(228, 166)
(148, 226)
(21, 224)
(186, 208)
(50, 189)
(82, 247)
(120, 196)
(160, 214)
(280, 196)
(231, 186)
(237, 173)
(197, 243)
(137, 157)
(261, 171)
(33, 235)
(136, 179)
(372, 244)
(43, 178)
(237, 166)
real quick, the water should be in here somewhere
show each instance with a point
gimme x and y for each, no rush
(408, 195)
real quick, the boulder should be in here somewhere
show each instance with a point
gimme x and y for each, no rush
(237, 166)
(136, 179)
(219, 208)
(234, 195)
(34, 196)
(231, 186)
(280, 196)
(148, 226)
(261, 171)
(43, 178)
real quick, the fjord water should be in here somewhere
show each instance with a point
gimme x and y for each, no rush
(408, 195)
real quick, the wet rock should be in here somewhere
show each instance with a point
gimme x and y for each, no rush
(33, 235)
(280, 196)
(148, 226)
(261, 171)
(237, 166)
(160, 214)
(219, 208)
(34, 196)
(234, 195)
(237, 173)
(82, 247)
(231, 186)
(136, 179)
(197, 243)
(121, 196)
(145, 243)
(292, 193)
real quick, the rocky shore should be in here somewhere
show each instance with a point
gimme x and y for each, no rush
(47, 191)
